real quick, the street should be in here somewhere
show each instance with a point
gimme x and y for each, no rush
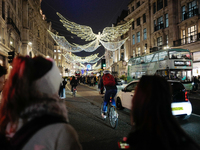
(96, 134)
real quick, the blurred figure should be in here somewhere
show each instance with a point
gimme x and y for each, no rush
(99, 82)
(154, 126)
(64, 82)
(3, 72)
(73, 83)
(31, 95)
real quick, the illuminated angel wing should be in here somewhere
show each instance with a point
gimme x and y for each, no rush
(111, 33)
(82, 31)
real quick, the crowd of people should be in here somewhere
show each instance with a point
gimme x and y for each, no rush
(32, 115)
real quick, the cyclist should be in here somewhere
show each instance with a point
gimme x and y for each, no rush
(109, 82)
(73, 83)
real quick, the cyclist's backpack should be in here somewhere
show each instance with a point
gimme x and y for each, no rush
(108, 80)
(22, 136)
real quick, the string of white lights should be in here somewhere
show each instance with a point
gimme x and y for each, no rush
(85, 32)
(113, 46)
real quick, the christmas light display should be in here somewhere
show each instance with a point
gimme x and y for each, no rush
(112, 46)
(85, 32)
(75, 59)
(62, 42)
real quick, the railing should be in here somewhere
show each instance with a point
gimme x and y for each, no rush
(10, 21)
(190, 14)
(187, 40)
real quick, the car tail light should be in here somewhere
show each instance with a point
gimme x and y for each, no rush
(186, 97)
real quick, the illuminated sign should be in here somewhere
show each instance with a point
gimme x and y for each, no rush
(182, 63)
(88, 67)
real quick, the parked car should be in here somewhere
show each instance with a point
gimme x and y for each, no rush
(181, 106)
(120, 82)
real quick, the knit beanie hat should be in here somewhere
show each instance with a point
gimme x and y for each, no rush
(46, 75)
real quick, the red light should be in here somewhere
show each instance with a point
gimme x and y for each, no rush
(186, 97)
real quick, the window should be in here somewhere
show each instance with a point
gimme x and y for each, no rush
(138, 4)
(138, 37)
(163, 55)
(192, 34)
(54, 56)
(167, 39)
(59, 51)
(139, 51)
(137, 61)
(166, 21)
(144, 18)
(145, 48)
(154, 22)
(159, 23)
(133, 26)
(12, 42)
(191, 7)
(159, 5)
(145, 33)
(59, 64)
(183, 32)
(132, 8)
(179, 55)
(122, 47)
(159, 41)
(148, 58)
(133, 39)
(154, 8)
(166, 3)
(183, 12)
(138, 21)
(131, 87)
(59, 56)
(155, 58)
(122, 56)
(142, 59)
(54, 50)
(133, 53)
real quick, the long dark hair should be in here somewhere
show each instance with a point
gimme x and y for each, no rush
(152, 114)
(17, 93)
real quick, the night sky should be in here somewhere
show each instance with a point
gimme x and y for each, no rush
(97, 14)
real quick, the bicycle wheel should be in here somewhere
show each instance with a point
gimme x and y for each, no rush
(113, 117)
(102, 110)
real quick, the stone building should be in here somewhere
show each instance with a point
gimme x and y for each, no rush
(64, 66)
(23, 29)
(161, 23)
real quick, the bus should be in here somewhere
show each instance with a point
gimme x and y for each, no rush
(173, 64)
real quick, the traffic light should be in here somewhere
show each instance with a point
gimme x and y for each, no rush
(11, 56)
(103, 63)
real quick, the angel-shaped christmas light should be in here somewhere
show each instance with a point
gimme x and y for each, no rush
(107, 38)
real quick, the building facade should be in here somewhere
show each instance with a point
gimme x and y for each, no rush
(64, 66)
(163, 23)
(23, 29)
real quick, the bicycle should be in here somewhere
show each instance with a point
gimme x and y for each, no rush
(74, 91)
(111, 113)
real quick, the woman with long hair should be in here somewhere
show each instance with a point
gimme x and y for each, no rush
(31, 95)
(154, 126)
